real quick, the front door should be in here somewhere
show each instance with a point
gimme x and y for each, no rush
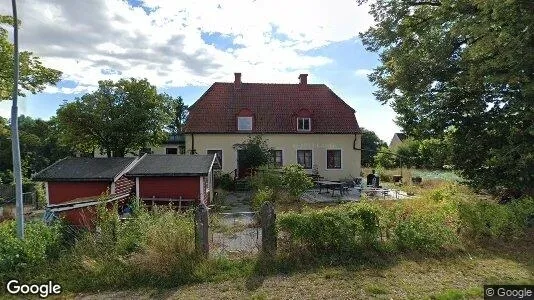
(241, 170)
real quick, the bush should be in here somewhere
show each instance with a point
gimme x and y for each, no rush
(483, 219)
(225, 182)
(41, 243)
(340, 230)
(295, 180)
(263, 195)
(267, 177)
(422, 232)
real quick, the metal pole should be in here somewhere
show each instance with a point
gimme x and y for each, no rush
(15, 126)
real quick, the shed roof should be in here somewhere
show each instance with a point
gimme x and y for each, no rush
(173, 165)
(84, 169)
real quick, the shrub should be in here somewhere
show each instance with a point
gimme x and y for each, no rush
(338, 230)
(422, 232)
(481, 219)
(40, 244)
(267, 177)
(295, 180)
(263, 195)
(225, 182)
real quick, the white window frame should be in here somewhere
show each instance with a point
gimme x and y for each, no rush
(222, 156)
(297, 158)
(309, 123)
(240, 128)
(340, 158)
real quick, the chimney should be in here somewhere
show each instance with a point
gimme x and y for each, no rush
(237, 80)
(303, 79)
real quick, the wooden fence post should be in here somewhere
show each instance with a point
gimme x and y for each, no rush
(268, 229)
(201, 229)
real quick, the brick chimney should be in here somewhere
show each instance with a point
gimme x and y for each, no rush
(303, 79)
(237, 80)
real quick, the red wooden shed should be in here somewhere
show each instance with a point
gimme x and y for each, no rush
(74, 185)
(176, 179)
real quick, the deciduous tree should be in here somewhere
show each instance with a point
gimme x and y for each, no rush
(465, 67)
(371, 143)
(119, 117)
(34, 76)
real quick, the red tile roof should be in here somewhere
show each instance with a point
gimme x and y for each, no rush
(274, 106)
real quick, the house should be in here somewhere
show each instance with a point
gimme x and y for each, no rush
(75, 185)
(304, 123)
(174, 179)
(397, 139)
(174, 144)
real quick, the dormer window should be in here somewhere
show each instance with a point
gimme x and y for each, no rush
(303, 124)
(244, 123)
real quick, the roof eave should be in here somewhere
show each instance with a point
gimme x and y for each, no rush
(166, 174)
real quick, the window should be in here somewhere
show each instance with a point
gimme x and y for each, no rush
(277, 157)
(304, 158)
(171, 151)
(244, 123)
(218, 153)
(303, 124)
(182, 149)
(333, 159)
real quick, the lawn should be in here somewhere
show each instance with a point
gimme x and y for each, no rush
(404, 277)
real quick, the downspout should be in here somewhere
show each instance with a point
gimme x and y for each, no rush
(193, 151)
(354, 143)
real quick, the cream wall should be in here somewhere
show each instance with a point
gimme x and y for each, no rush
(289, 144)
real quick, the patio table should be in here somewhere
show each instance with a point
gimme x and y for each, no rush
(333, 185)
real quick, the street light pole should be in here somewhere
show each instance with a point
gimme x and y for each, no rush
(15, 126)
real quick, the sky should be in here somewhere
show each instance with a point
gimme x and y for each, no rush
(182, 47)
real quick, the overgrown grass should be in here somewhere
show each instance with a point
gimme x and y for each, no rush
(441, 221)
(156, 250)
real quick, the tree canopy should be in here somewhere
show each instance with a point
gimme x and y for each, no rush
(38, 143)
(119, 117)
(371, 144)
(179, 113)
(462, 68)
(34, 76)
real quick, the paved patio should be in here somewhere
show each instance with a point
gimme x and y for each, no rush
(352, 195)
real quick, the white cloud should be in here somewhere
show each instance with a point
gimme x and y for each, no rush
(107, 39)
(363, 72)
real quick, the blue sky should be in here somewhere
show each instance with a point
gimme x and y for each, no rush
(183, 47)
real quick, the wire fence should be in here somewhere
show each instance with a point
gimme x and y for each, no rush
(8, 196)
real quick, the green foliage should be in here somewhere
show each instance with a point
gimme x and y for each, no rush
(337, 230)
(17, 256)
(179, 113)
(39, 146)
(33, 76)
(152, 249)
(265, 194)
(255, 152)
(386, 158)
(267, 177)
(462, 70)
(422, 232)
(118, 118)
(371, 143)
(491, 220)
(429, 153)
(295, 180)
(225, 182)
